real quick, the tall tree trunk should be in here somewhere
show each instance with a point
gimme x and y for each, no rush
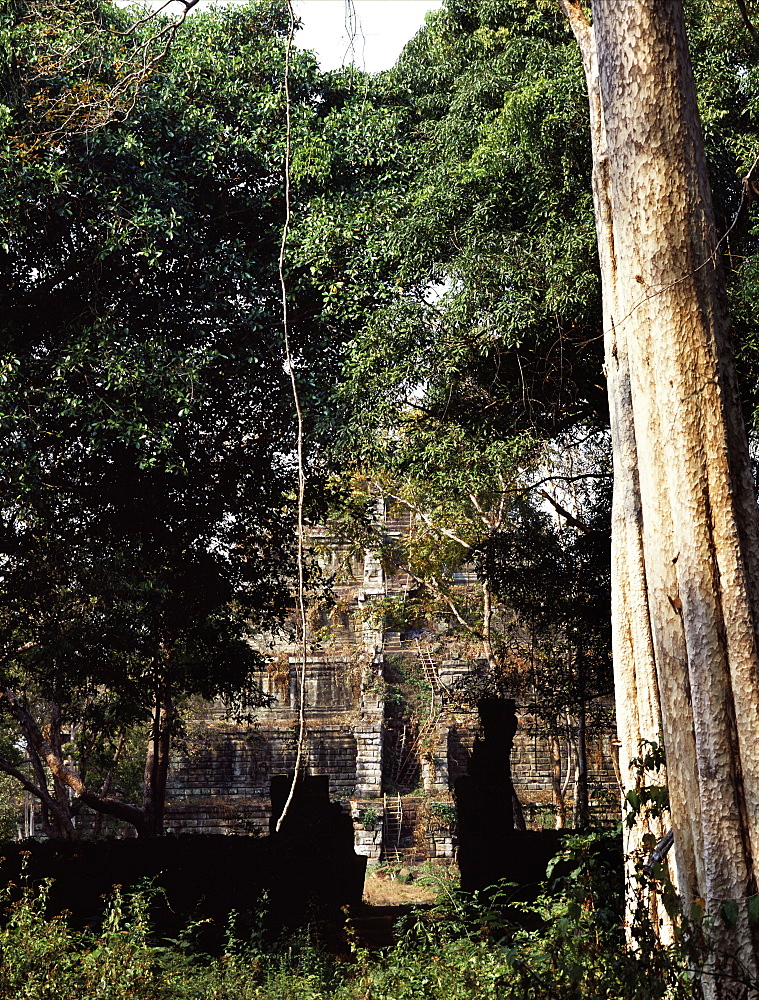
(685, 540)
(61, 791)
(580, 817)
(48, 805)
(557, 788)
(487, 627)
(157, 761)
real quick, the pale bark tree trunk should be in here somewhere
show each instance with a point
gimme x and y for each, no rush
(684, 542)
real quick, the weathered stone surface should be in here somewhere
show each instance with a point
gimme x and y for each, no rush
(222, 784)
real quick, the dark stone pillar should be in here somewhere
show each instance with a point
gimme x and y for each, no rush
(315, 844)
(484, 809)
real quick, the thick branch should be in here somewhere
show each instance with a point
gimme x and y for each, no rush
(487, 622)
(579, 477)
(747, 21)
(435, 527)
(39, 793)
(501, 503)
(433, 585)
(11, 652)
(41, 746)
(447, 599)
(487, 521)
(571, 519)
(581, 28)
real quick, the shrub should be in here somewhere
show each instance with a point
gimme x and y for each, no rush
(44, 959)
(568, 944)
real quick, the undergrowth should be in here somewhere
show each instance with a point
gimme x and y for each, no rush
(566, 944)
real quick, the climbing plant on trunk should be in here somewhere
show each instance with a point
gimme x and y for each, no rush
(685, 542)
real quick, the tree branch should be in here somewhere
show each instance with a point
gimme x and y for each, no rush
(747, 21)
(501, 503)
(11, 652)
(41, 746)
(486, 521)
(571, 519)
(447, 599)
(569, 479)
(580, 26)
(435, 527)
(28, 785)
(48, 802)
(115, 101)
(433, 585)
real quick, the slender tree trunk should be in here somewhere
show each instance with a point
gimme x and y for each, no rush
(61, 791)
(157, 761)
(39, 791)
(685, 541)
(48, 805)
(487, 626)
(556, 778)
(580, 811)
(43, 755)
(106, 786)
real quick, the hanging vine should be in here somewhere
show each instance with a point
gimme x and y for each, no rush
(351, 23)
(290, 365)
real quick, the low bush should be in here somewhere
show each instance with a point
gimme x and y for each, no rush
(44, 959)
(567, 945)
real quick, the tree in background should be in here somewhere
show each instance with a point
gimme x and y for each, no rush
(146, 519)
(490, 320)
(555, 581)
(474, 563)
(480, 341)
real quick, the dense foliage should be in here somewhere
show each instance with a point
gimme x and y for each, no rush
(445, 316)
(482, 344)
(146, 514)
(474, 392)
(445, 309)
(492, 311)
(567, 944)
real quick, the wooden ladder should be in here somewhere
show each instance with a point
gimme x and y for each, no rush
(392, 828)
(439, 689)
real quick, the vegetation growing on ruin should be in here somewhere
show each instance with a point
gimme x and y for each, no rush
(447, 324)
(566, 944)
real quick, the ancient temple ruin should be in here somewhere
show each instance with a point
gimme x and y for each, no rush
(381, 724)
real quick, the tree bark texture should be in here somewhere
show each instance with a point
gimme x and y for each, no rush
(684, 539)
(557, 788)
